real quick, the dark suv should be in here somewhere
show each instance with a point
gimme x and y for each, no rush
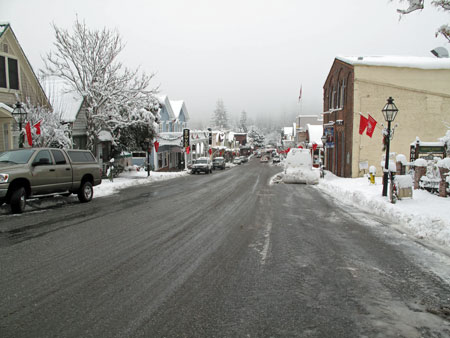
(219, 163)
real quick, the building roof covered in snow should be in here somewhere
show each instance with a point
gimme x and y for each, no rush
(178, 108)
(315, 133)
(420, 62)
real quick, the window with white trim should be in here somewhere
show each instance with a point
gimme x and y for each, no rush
(9, 73)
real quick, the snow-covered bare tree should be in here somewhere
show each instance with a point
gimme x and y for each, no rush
(87, 60)
(243, 121)
(415, 5)
(220, 117)
(50, 131)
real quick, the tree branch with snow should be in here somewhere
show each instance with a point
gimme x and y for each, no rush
(87, 61)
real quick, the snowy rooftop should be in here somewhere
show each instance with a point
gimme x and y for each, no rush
(398, 61)
(6, 107)
(65, 104)
(315, 133)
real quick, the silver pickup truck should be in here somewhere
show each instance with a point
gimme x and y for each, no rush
(41, 172)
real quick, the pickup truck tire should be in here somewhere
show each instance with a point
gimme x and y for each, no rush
(86, 192)
(18, 200)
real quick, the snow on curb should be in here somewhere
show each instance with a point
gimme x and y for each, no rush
(130, 179)
(423, 216)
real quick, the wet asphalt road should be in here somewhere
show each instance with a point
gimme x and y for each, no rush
(221, 255)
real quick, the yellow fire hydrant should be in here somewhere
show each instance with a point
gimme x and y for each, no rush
(372, 172)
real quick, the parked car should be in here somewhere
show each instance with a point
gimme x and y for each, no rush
(202, 164)
(40, 172)
(276, 159)
(298, 168)
(244, 159)
(237, 160)
(219, 163)
(264, 159)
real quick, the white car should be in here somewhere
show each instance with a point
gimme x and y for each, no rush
(202, 164)
(237, 160)
(298, 168)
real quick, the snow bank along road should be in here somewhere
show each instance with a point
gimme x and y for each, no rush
(222, 255)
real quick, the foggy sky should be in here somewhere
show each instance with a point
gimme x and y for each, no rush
(254, 55)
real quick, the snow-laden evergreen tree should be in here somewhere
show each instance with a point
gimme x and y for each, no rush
(243, 121)
(415, 5)
(53, 133)
(220, 117)
(116, 97)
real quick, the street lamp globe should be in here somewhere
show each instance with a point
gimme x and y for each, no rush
(20, 114)
(390, 110)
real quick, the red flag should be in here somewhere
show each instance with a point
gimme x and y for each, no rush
(362, 124)
(314, 146)
(210, 151)
(371, 126)
(300, 95)
(188, 150)
(156, 144)
(38, 127)
(28, 130)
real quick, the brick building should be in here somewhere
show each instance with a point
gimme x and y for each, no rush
(420, 87)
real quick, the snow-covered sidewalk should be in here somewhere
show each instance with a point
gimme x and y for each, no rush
(425, 216)
(133, 178)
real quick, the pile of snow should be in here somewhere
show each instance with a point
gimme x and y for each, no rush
(298, 168)
(404, 181)
(425, 216)
(401, 158)
(133, 178)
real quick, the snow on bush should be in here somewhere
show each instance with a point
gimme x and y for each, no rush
(444, 163)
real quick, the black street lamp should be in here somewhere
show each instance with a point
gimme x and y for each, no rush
(20, 114)
(389, 112)
(324, 142)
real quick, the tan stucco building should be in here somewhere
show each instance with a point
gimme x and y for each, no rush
(420, 87)
(18, 82)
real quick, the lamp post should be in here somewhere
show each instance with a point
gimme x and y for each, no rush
(324, 141)
(20, 114)
(389, 112)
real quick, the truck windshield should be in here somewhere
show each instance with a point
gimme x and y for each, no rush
(21, 156)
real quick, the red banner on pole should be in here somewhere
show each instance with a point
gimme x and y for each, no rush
(28, 131)
(362, 124)
(156, 144)
(188, 150)
(37, 126)
(371, 126)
